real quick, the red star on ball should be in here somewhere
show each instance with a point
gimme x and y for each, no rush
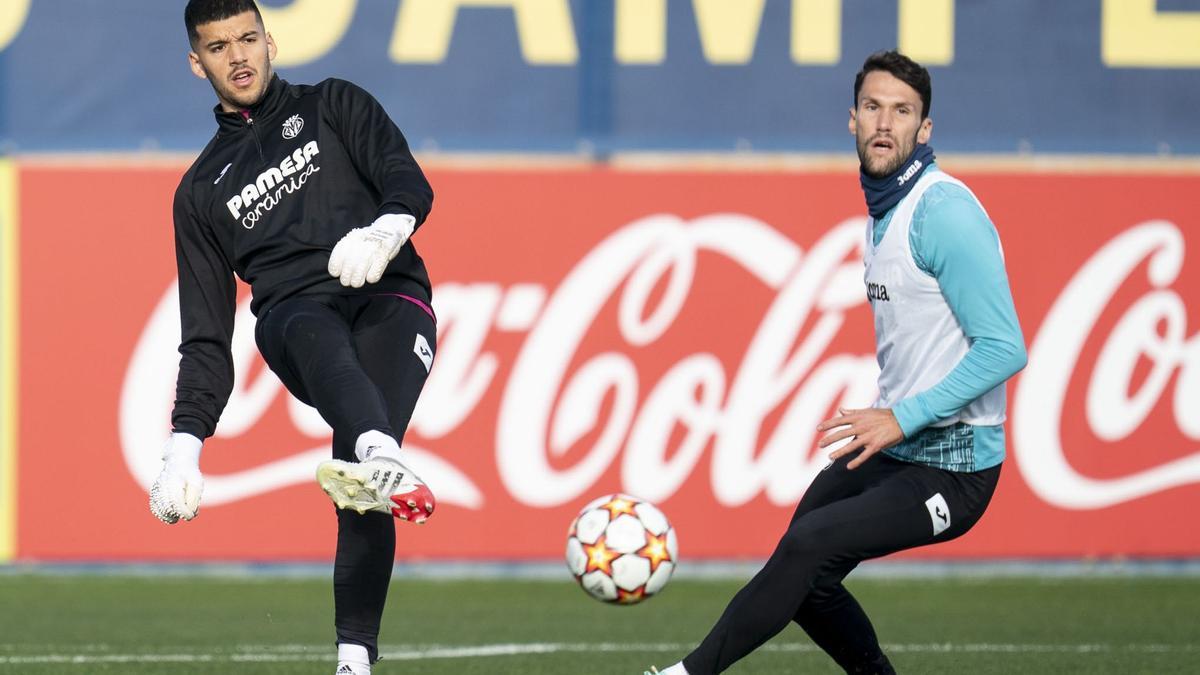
(655, 550)
(625, 597)
(618, 505)
(599, 557)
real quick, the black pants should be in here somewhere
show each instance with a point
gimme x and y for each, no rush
(845, 517)
(354, 359)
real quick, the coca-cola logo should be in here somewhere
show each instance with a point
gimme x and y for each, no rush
(754, 412)
(1111, 413)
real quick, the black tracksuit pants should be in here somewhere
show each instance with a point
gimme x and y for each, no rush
(353, 357)
(845, 517)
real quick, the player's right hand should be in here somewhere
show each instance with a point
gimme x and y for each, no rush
(176, 492)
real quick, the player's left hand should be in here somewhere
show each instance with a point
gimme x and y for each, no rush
(869, 430)
(362, 255)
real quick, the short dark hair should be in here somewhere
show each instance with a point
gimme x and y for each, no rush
(199, 12)
(905, 69)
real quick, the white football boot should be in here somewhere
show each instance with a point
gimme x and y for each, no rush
(381, 485)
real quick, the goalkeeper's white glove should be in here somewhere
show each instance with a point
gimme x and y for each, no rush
(365, 252)
(176, 491)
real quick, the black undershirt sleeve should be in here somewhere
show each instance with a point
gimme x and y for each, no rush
(207, 301)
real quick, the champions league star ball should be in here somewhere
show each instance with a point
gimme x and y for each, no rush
(621, 549)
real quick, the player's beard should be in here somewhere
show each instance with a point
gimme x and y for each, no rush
(244, 99)
(879, 167)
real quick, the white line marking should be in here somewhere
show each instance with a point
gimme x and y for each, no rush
(319, 653)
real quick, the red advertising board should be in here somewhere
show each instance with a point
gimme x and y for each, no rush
(672, 335)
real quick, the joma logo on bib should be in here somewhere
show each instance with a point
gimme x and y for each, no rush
(270, 186)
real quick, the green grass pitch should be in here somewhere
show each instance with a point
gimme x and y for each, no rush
(164, 624)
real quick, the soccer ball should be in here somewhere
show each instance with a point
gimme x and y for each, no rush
(621, 549)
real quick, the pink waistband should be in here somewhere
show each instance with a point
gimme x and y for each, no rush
(416, 301)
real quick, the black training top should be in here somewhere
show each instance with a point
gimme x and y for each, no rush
(275, 189)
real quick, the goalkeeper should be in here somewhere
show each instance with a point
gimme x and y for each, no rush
(310, 195)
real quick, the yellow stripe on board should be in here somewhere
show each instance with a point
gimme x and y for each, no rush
(8, 360)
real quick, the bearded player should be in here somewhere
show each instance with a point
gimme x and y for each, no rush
(921, 465)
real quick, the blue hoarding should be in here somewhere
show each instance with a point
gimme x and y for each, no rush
(1092, 76)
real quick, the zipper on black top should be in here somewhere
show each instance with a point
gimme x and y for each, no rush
(254, 133)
